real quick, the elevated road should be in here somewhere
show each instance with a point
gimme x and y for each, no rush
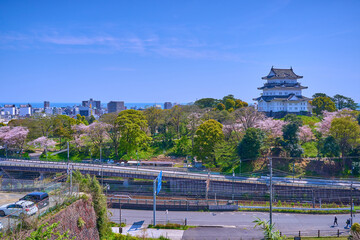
(144, 173)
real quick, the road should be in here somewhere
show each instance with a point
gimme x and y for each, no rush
(175, 174)
(231, 225)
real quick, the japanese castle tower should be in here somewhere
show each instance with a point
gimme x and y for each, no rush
(282, 94)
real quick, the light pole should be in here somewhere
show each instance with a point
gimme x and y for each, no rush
(271, 195)
(233, 179)
(240, 168)
(102, 169)
(351, 202)
(137, 157)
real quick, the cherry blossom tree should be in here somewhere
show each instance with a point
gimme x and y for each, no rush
(271, 126)
(13, 137)
(43, 142)
(324, 126)
(79, 133)
(305, 134)
(95, 134)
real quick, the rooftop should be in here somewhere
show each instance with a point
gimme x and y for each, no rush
(279, 73)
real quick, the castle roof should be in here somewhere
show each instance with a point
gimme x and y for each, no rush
(278, 73)
(282, 86)
(281, 98)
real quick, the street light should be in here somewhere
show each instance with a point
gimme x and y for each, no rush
(121, 197)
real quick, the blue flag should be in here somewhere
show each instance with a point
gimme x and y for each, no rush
(159, 183)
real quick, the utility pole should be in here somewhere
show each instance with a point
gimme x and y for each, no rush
(69, 167)
(137, 157)
(240, 168)
(154, 202)
(233, 178)
(102, 169)
(271, 190)
(6, 151)
(120, 228)
(351, 202)
(294, 171)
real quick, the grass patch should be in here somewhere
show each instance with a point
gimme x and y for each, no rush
(117, 236)
(320, 238)
(171, 226)
(310, 149)
(114, 224)
(295, 211)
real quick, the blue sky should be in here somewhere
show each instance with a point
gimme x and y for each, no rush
(178, 51)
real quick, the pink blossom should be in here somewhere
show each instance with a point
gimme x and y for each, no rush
(324, 126)
(13, 136)
(271, 126)
(305, 134)
(43, 142)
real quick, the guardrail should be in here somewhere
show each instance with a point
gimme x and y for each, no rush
(86, 167)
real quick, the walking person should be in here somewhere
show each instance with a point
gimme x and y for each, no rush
(335, 221)
(348, 223)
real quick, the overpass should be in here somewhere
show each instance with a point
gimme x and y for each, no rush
(181, 182)
(146, 173)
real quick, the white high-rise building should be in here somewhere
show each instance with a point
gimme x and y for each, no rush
(282, 94)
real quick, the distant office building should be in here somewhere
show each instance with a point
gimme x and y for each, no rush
(46, 104)
(115, 106)
(85, 111)
(92, 103)
(49, 111)
(25, 110)
(9, 109)
(167, 105)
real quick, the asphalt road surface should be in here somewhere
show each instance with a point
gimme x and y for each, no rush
(238, 225)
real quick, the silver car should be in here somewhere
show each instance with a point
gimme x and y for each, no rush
(19, 209)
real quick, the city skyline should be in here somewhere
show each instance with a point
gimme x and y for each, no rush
(177, 52)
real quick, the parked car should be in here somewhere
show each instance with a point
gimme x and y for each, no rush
(110, 162)
(39, 198)
(19, 209)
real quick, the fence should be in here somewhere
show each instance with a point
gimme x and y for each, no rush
(59, 193)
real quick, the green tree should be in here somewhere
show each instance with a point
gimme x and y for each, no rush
(240, 104)
(207, 102)
(91, 119)
(319, 95)
(208, 134)
(113, 131)
(81, 120)
(329, 147)
(153, 117)
(344, 102)
(132, 125)
(321, 104)
(230, 96)
(182, 147)
(291, 139)
(229, 103)
(346, 132)
(251, 144)
(220, 106)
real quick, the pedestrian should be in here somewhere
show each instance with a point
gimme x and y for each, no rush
(335, 221)
(347, 223)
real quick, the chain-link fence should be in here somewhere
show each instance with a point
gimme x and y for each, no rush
(13, 216)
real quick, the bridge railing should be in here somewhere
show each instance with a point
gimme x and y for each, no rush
(171, 174)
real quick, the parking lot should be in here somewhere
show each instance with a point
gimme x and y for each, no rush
(10, 197)
(58, 193)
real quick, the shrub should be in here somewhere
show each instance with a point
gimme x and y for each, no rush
(80, 223)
